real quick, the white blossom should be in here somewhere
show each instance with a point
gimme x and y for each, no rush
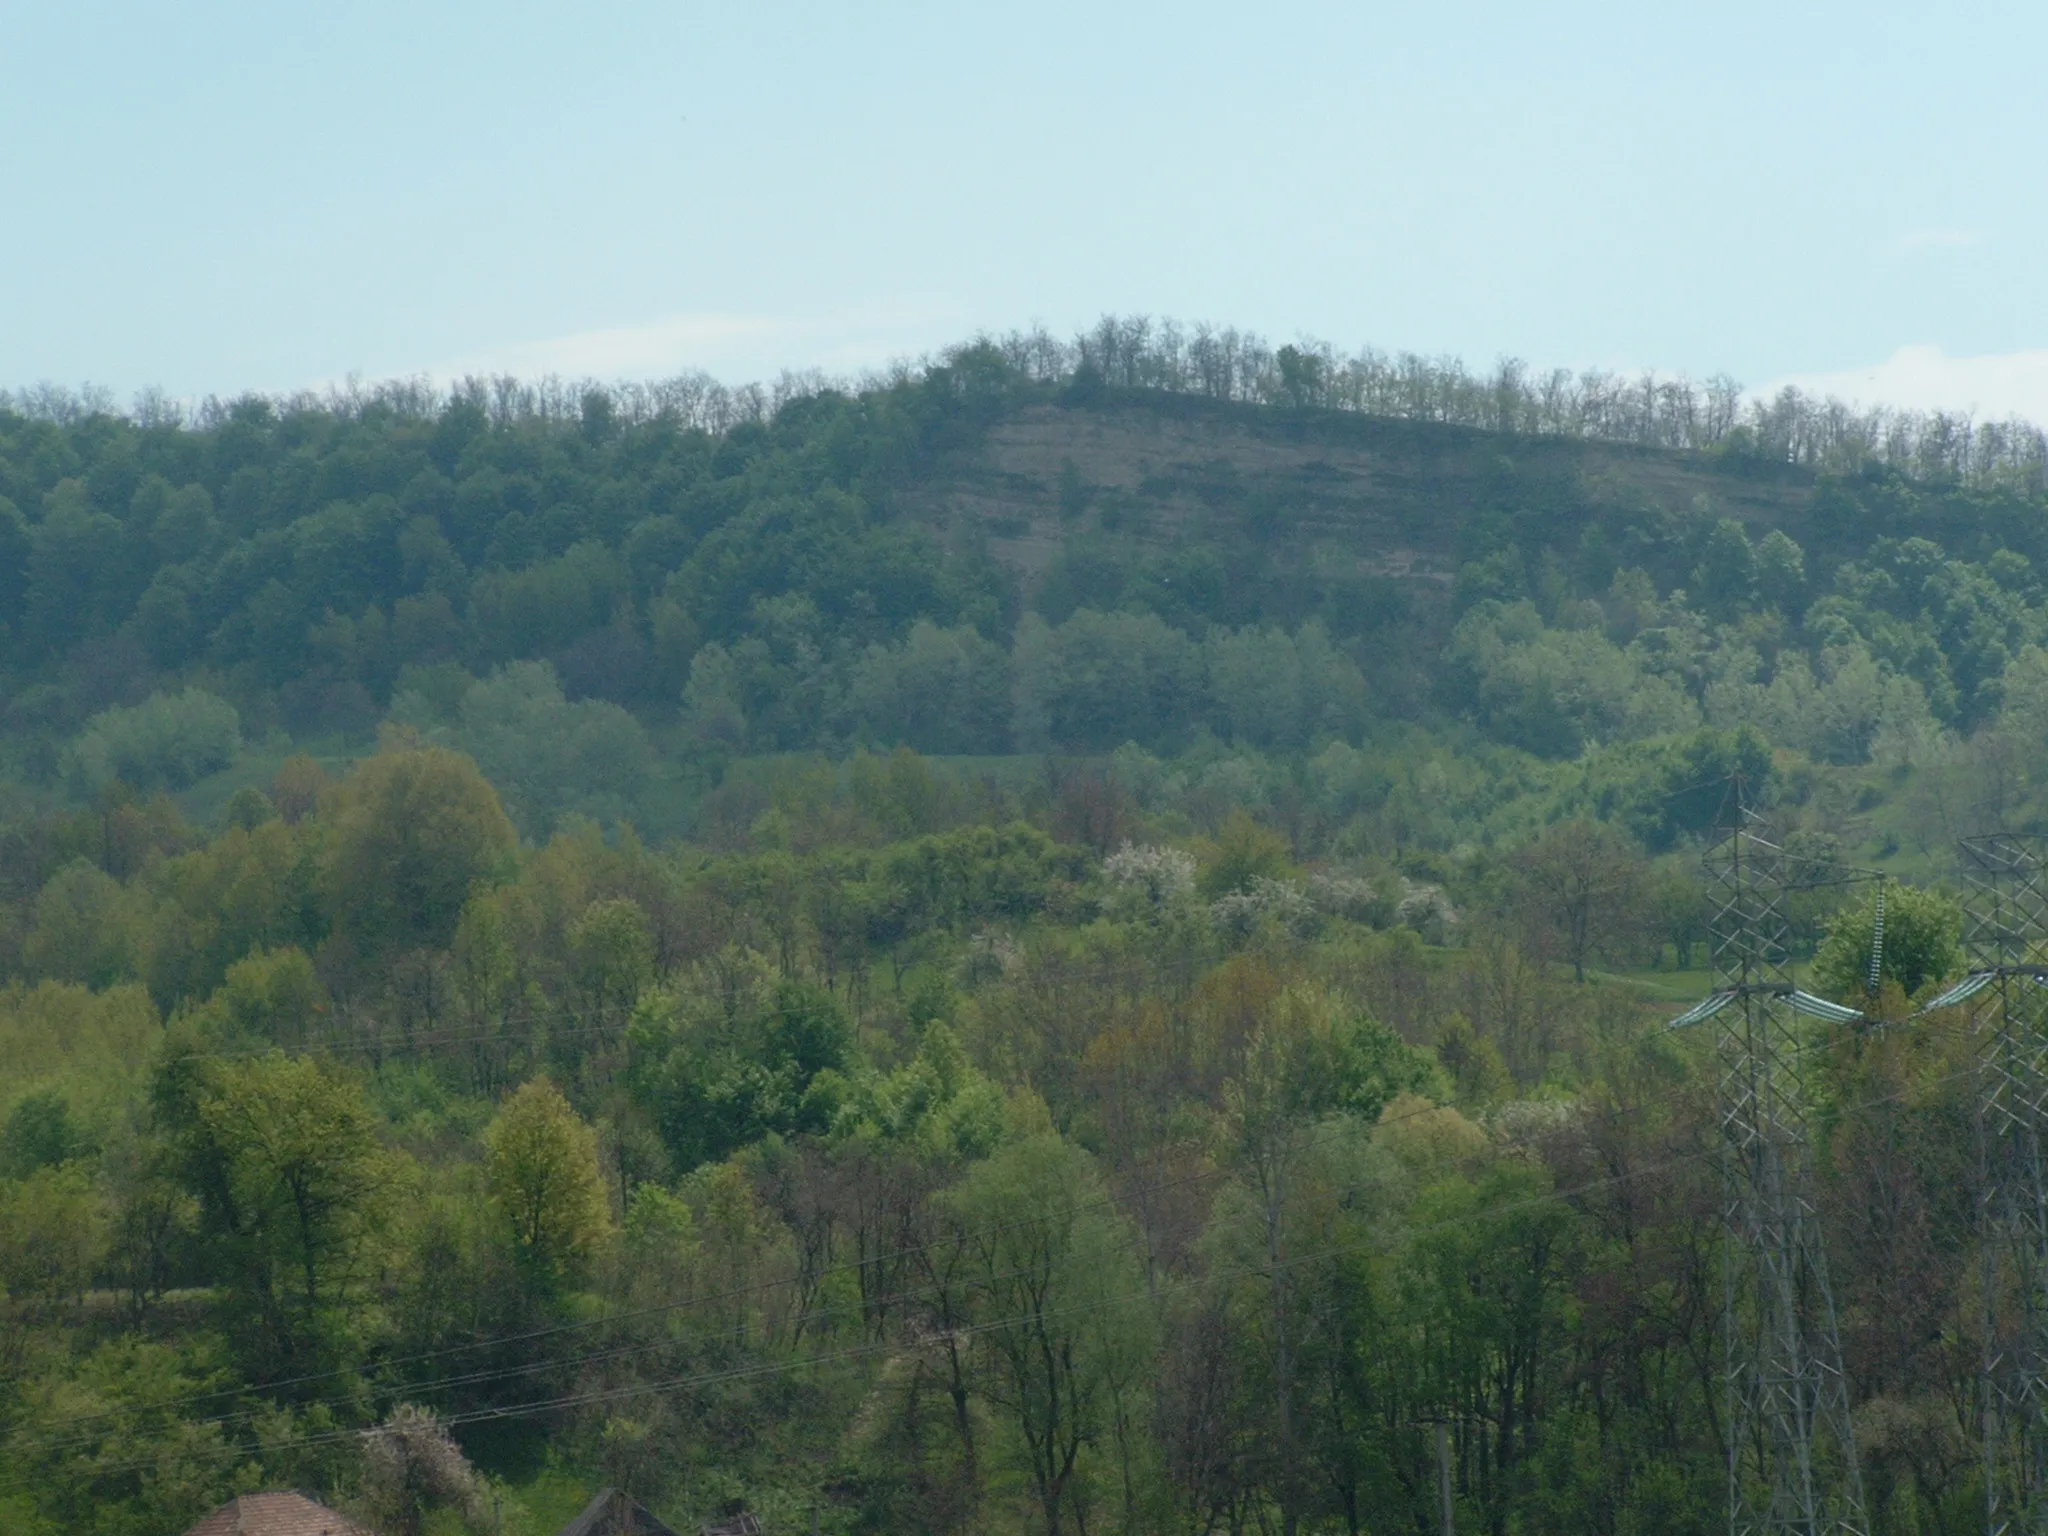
(1282, 902)
(1158, 874)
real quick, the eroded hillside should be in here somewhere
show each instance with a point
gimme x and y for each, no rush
(1323, 492)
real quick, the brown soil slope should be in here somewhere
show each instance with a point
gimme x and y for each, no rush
(1321, 489)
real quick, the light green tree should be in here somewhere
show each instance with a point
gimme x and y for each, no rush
(1922, 943)
(292, 1181)
(1484, 1295)
(546, 1184)
(1312, 1070)
(1062, 1326)
(269, 997)
(85, 928)
(248, 890)
(91, 1046)
(52, 1234)
(611, 955)
(409, 834)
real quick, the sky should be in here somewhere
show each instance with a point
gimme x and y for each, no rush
(215, 197)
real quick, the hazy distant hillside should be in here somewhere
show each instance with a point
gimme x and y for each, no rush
(1130, 540)
(1304, 509)
(1392, 498)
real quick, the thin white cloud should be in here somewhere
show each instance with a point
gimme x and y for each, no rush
(731, 346)
(1924, 378)
(1942, 239)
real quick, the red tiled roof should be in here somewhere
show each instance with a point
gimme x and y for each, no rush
(276, 1514)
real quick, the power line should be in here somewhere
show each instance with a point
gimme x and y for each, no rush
(855, 1266)
(767, 1368)
(908, 1293)
(699, 1301)
(469, 1347)
(1107, 1199)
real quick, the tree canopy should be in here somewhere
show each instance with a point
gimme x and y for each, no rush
(1076, 938)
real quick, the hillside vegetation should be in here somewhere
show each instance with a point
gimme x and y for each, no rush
(1070, 940)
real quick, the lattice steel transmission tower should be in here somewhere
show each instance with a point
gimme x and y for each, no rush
(1792, 1455)
(2005, 934)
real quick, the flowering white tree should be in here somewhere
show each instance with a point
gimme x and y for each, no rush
(1150, 875)
(412, 1465)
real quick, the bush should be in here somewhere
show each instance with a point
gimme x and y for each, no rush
(1922, 943)
(551, 758)
(166, 742)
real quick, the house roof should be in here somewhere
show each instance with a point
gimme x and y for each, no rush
(612, 1513)
(276, 1514)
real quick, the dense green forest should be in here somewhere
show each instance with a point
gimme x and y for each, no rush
(1073, 939)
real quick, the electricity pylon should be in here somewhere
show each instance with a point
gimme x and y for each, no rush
(2005, 935)
(1791, 1451)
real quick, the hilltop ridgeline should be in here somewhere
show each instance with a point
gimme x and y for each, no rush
(1024, 547)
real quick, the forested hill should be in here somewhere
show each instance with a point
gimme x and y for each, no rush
(1003, 552)
(1074, 940)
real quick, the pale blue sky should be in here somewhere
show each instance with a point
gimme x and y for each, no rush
(216, 196)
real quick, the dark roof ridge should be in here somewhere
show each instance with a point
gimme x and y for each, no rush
(613, 1513)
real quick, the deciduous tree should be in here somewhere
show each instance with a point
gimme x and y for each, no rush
(1582, 892)
(283, 1156)
(410, 834)
(547, 1185)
